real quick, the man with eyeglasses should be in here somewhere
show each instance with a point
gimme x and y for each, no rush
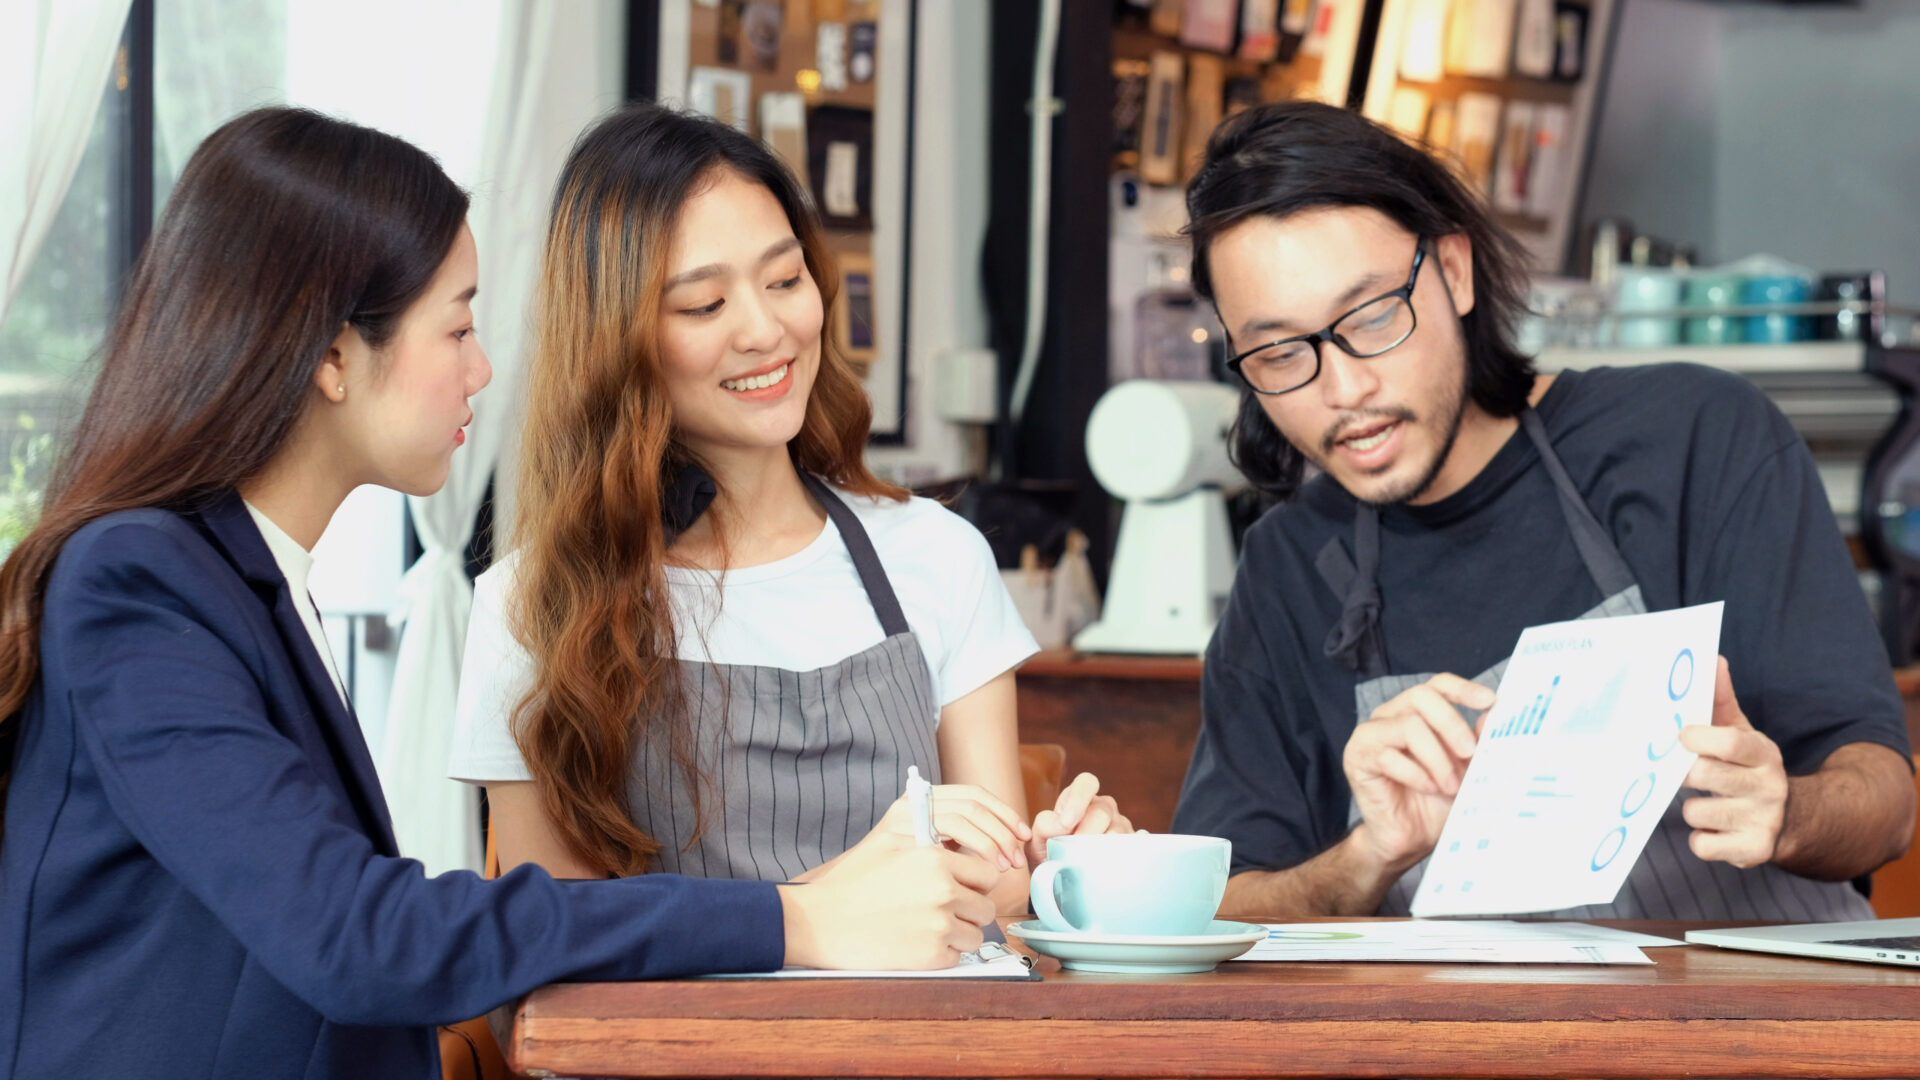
(1460, 498)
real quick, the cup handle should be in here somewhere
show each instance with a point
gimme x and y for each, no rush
(1045, 904)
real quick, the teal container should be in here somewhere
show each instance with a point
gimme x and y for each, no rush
(1775, 329)
(1647, 289)
(1710, 291)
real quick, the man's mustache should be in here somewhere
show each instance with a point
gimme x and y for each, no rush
(1347, 422)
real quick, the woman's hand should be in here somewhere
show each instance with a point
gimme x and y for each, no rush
(969, 819)
(889, 904)
(1080, 811)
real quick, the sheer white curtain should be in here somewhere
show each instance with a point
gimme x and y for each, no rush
(555, 71)
(54, 60)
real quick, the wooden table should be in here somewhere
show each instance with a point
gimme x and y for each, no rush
(1695, 1012)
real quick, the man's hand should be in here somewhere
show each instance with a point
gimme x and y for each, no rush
(1739, 820)
(1404, 765)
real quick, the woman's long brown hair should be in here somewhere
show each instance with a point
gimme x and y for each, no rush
(590, 596)
(285, 227)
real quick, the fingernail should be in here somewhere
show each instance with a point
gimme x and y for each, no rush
(1004, 864)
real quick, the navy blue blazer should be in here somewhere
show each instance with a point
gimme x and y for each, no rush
(199, 878)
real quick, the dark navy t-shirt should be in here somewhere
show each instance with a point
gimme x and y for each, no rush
(1708, 493)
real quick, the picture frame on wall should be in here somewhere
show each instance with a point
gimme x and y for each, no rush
(855, 328)
(1160, 137)
(1569, 40)
(840, 166)
(722, 93)
(783, 127)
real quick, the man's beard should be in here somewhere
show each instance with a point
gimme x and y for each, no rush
(1450, 417)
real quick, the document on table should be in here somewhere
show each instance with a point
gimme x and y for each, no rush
(1484, 941)
(1577, 761)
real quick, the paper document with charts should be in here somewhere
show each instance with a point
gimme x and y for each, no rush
(1577, 760)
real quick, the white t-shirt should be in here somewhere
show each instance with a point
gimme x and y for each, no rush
(801, 613)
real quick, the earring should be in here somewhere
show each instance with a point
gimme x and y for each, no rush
(343, 391)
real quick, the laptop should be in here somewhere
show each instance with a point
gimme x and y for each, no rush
(1879, 941)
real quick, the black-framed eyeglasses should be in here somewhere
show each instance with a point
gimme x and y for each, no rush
(1280, 367)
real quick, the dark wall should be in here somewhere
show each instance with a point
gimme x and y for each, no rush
(1043, 460)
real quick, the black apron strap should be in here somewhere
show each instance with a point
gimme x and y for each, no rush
(1596, 548)
(684, 500)
(879, 590)
(1335, 567)
(1355, 639)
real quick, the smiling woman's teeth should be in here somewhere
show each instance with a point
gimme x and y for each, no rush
(758, 382)
(1370, 441)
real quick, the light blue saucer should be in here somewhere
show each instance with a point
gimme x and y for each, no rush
(1132, 954)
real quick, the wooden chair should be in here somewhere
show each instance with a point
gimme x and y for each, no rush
(1043, 769)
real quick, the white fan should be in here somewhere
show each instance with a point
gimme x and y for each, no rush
(1162, 447)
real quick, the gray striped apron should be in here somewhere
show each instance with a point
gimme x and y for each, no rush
(797, 765)
(1669, 881)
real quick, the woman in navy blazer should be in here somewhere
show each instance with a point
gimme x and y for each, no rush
(198, 876)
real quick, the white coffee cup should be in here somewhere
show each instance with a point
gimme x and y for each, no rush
(1131, 883)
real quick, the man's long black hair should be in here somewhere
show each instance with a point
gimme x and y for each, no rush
(1277, 160)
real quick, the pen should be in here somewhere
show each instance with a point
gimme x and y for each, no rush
(920, 802)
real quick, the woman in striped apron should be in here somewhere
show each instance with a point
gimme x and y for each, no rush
(721, 642)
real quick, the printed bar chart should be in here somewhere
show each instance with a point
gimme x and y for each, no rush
(1529, 720)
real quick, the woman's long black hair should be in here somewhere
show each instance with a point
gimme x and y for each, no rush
(1277, 160)
(286, 226)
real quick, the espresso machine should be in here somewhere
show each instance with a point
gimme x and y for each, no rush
(1890, 506)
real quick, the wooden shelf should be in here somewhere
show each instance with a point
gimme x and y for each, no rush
(1510, 88)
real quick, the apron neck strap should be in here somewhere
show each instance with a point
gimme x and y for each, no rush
(1597, 551)
(880, 593)
(1356, 639)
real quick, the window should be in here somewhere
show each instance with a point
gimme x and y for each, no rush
(60, 314)
(211, 59)
(421, 69)
(184, 68)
